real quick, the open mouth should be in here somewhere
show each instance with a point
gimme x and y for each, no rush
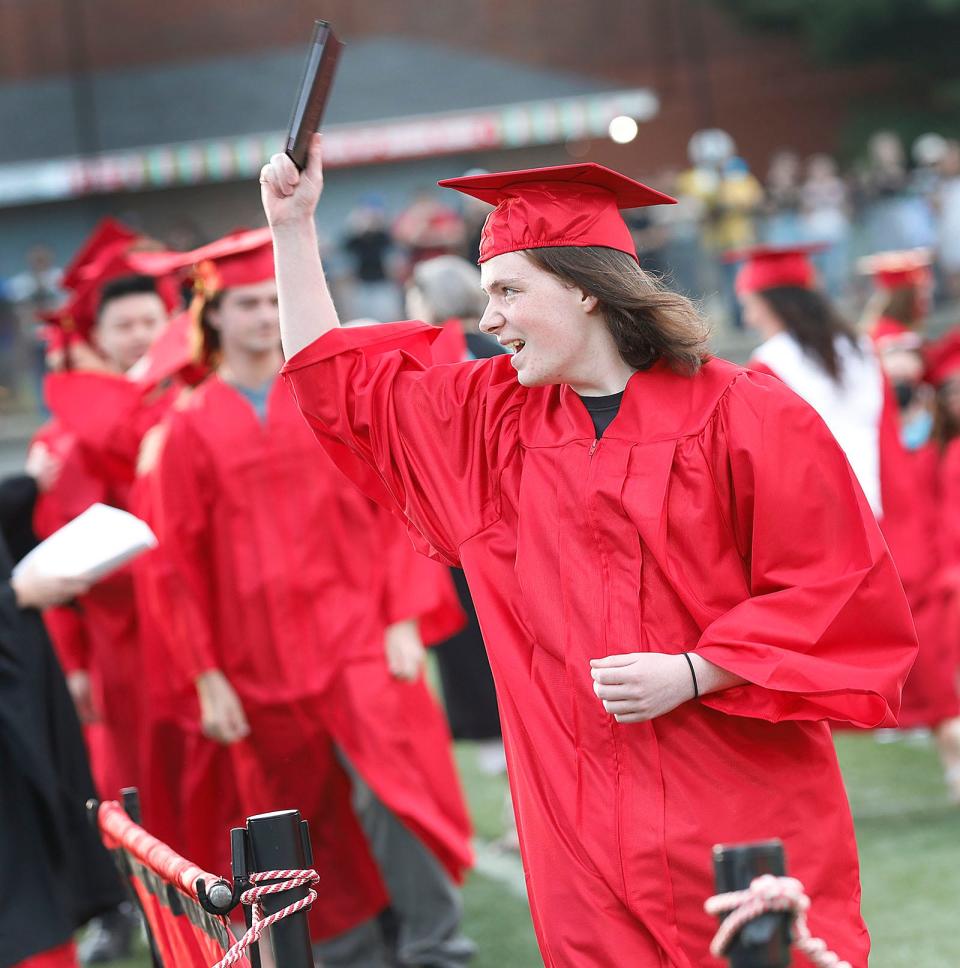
(515, 345)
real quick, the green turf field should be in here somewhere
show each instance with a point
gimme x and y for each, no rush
(909, 838)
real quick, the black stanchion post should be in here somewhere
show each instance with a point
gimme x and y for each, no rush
(130, 797)
(277, 843)
(765, 941)
(241, 863)
(131, 804)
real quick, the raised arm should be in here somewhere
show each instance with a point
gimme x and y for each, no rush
(290, 201)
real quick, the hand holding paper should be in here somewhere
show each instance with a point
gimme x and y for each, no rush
(34, 590)
(89, 547)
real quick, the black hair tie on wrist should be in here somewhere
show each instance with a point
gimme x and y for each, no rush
(693, 674)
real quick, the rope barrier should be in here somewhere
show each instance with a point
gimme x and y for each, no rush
(285, 881)
(767, 894)
(186, 908)
(120, 830)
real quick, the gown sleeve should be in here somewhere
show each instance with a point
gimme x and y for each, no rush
(182, 486)
(435, 437)
(826, 632)
(418, 587)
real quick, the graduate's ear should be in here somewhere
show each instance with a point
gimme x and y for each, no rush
(588, 303)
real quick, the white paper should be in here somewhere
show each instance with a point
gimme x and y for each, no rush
(92, 545)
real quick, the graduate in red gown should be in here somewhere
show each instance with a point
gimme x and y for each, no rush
(872, 397)
(99, 417)
(912, 524)
(291, 600)
(100, 413)
(899, 308)
(903, 284)
(678, 579)
(812, 349)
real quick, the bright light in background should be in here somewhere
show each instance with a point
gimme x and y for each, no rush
(623, 129)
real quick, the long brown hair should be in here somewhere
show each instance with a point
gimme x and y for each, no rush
(902, 304)
(946, 427)
(648, 322)
(211, 335)
(809, 317)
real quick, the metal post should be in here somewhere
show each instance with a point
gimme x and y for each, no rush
(242, 865)
(277, 842)
(765, 941)
(131, 804)
(130, 796)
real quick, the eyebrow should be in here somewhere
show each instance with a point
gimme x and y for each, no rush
(501, 283)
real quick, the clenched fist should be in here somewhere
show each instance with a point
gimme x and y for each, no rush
(290, 196)
(641, 685)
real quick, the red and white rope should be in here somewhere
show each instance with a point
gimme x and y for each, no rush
(285, 881)
(766, 894)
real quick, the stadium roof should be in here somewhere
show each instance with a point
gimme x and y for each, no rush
(220, 119)
(237, 95)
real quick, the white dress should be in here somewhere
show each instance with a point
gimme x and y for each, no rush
(851, 406)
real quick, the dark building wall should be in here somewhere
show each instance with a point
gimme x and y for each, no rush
(706, 70)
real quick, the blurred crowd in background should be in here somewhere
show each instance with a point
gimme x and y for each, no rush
(897, 196)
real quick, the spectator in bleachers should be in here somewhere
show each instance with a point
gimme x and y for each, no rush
(427, 228)
(31, 292)
(370, 251)
(825, 208)
(782, 201)
(948, 210)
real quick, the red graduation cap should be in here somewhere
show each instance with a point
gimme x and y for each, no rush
(775, 266)
(103, 257)
(242, 258)
(897, 269)
(108, 237)
(575, 205)
(77, 316)
(73, 320)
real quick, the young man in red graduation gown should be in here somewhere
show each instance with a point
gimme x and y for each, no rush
(99, 418)
(674, 602)
(293, 599)
(99, 415)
